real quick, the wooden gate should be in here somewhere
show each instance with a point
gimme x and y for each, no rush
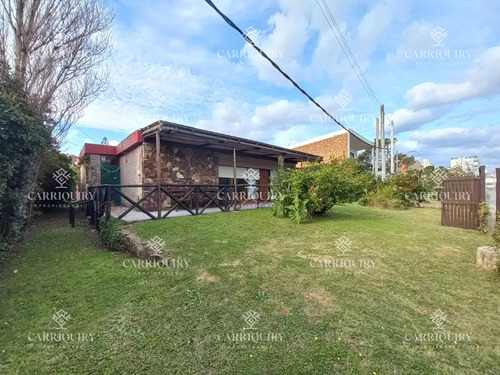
(460, 200)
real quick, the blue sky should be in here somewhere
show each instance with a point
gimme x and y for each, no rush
(179, 61)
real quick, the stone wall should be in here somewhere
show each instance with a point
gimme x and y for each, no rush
(179, 165)
(92, 175)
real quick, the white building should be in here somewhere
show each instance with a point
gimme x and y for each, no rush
(427, 163)
(467, 163)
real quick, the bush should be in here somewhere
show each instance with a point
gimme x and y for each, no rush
(399, 192)
(496, 232)
(484, 213)
(111, 232)
(384, 197)
(316, 188)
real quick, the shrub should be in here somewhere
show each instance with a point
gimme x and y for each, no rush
(384, 197)
(282, 200)
(298, 210)
(496, 232)
(316, 188)
(111, 232)
(484, 213)
(400, 192)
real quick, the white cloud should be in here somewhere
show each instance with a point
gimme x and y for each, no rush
(482, 80)
(442, 144)
(416, 37)
(429, 100)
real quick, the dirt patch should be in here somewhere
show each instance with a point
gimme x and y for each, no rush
(319, 296)
(205, 277)
(319, 302)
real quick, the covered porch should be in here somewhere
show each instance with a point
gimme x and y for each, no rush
(191, 171)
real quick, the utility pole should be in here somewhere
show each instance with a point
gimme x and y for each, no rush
(376, 147)
(392, 149)
(373, 159)
(382, 138)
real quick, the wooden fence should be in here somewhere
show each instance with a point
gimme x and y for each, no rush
(460, 201)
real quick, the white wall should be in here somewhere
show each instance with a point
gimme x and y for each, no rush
(131, 173)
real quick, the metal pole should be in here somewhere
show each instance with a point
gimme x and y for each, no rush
(377, 127)
(382, 138)
(373, 159)
(158, 172)
(393, 169)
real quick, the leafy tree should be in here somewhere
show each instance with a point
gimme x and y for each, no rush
(23, 136)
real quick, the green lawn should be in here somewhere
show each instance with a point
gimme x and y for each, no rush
(311, 319)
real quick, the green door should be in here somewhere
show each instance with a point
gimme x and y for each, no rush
(110, 174)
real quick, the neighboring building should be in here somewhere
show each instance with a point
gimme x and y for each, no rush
(340, 144)
(415, 166)
(427, 163)
(187, 156)
(469, 164)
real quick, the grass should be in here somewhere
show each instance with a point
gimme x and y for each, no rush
(329, 320)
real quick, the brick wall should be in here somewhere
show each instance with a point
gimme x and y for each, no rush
(334, 147)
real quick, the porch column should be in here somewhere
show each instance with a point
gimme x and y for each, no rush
(158, 172)
(234, 173)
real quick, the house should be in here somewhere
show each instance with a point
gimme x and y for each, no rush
(187, 156)
(339, 144)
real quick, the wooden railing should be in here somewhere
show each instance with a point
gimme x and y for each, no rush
(193, 198)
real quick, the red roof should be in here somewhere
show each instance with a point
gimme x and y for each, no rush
(128, 143)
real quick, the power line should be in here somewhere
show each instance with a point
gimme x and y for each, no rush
(349, 54)
(276, 66)
(347, 51)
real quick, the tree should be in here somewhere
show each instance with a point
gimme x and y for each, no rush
(55, 49)
(365, 160)
(23, 135)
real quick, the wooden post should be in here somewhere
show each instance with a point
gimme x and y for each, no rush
(234, 173)
(107, 203)
(196, 202)
(375, 166)
(382, 138)
(158, 172)
(482, 184)
(71, 215)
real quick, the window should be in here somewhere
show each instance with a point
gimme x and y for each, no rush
(229, 181)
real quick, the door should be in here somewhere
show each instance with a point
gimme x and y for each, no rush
(264, 182)
(110, 175)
